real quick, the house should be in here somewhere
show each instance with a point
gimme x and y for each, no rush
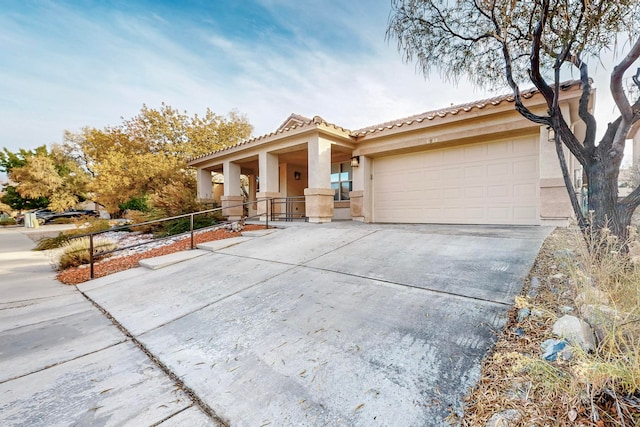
(477, 163)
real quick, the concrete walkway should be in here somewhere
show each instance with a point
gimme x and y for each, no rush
(63, 362)
(334, 324)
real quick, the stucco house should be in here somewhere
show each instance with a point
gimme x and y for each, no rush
(477, 163)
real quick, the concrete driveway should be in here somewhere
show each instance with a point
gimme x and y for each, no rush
(334, 324)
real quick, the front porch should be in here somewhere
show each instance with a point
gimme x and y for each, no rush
(310, 168)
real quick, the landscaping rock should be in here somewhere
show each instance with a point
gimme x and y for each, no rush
(523, 313)
(553, 349)
(564, 253)
(507, 418)
(591, 295)
(601, 318)
(534, 286)
(565, 309)
(576, 331)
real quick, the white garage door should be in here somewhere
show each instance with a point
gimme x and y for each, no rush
(486, 183)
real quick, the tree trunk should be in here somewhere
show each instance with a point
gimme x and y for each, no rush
(602, 178)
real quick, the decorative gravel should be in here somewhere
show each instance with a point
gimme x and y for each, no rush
(129, 258)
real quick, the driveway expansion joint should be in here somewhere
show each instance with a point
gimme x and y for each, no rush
(164, 368)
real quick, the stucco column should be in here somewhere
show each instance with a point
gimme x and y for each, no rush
(205, 186)
(360, 197)
(269, 181)
(555, 207)
(232, 199)
(319, 194)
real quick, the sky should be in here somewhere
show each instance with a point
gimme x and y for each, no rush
(65, 65)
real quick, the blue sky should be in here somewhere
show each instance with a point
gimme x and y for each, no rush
(69, 64)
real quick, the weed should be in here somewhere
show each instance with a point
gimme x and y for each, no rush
(597, 278)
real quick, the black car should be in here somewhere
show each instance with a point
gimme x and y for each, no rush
(46, 215)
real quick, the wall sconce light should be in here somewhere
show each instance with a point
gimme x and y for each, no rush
(552, 134)
(355, 161)
(296, 176)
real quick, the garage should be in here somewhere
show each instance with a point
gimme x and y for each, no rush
(484, 183)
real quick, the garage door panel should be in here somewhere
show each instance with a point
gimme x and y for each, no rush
(498, 191)
(526, 191)
(487, 183)
(475, 192)
(476, 171)
(498, 170)
(524, 168)
(499, 149)
(475, 153)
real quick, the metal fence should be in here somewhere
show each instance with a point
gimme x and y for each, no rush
(271, 209)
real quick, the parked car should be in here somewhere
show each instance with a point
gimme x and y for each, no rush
(46, 215)
(20, 217)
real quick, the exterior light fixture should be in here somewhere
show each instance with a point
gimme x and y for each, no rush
(355, 161)
(552, 134)
(296, 176)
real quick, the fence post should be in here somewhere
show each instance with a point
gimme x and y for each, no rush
(91, 255)
(191, 229)
(268, 212)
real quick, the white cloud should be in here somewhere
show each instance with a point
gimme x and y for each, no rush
(68, 68)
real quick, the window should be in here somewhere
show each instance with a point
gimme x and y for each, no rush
(341, 180)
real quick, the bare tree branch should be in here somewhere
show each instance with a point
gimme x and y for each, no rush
(534, 72)
(620, 98)
(583, 107)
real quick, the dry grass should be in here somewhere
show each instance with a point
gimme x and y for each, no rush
(591, 389)
(76, 252)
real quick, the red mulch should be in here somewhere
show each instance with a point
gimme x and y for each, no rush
(75, 275)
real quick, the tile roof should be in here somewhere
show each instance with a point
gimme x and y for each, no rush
(314, 122)
(302, 121)
(295, 118)
(452, 110)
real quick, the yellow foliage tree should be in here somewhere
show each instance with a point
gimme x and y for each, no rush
(146, 155)
(54, 176)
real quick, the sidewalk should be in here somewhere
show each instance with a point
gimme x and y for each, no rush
(63, 362)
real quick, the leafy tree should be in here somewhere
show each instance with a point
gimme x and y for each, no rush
(493, 42)
(10, 160)
(51, 176)
(147, 154)
(12, 198)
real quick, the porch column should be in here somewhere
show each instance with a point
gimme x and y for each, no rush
(232, 195)
(205, 187)
(360, 197)
(318, 196)
(269, 181)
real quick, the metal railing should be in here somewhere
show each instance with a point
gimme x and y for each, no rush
(272, 213)
(287, 208)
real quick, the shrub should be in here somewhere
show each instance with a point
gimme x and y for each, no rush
(76, 252)
(7, 221)
(84, 225)
(87, 224)
(135, 204)
(52, 242)
(137, 217)
(182, 225)
(62, 221)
